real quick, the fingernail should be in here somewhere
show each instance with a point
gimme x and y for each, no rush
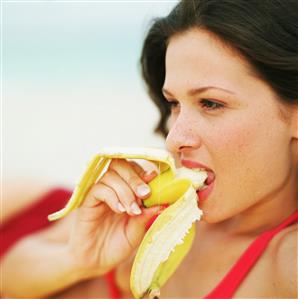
(135, 209)
(143, 190)
(121, 207)
(151, 174)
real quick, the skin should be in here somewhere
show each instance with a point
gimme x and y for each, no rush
(250, 144)
(245, 142)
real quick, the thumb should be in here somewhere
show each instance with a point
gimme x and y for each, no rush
(137, 225)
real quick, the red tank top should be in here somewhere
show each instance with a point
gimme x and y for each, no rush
(34, 218)
(232, 280)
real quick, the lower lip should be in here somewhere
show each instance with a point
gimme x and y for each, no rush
(203, 194)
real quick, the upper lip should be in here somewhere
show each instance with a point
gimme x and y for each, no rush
(194, 164)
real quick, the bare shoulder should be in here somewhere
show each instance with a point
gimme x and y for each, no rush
(284, 249)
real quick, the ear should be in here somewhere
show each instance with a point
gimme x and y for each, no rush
(294, 122)
(294, 134)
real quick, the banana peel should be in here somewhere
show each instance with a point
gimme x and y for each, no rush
(164, 246)
(100, 164)
(170, 237)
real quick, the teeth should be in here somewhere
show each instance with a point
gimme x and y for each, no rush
(196, 175)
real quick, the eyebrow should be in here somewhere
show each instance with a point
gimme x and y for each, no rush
(195, 91)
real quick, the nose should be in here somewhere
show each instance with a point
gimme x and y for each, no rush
(183, 135)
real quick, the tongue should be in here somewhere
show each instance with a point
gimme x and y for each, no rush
(210, 178)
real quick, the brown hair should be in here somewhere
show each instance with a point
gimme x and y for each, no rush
(264, 32)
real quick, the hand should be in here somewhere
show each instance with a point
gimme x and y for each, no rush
(110, 224)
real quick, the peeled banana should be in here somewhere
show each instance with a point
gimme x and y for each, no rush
(170, 237)
(100, 164)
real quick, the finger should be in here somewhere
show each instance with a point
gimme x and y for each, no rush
(101, 193)
(124, 169)
(136, 227)
(137, 168)
(146, 170)
(124, 193)
(150, 176)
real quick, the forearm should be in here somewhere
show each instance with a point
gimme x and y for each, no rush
(35, 268)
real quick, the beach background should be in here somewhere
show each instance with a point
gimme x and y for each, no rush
(71, 84)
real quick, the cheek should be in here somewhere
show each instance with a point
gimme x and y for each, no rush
(249, 132)
(250, 152)
(237, 150)
(170, 122)
(231, 138)
(254, 138)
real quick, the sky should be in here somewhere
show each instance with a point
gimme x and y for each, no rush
(71, 84)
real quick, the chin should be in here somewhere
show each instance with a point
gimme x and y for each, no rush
(213, 214)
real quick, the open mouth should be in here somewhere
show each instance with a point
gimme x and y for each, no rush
(204, 192)
(209, 180)
(207, 188)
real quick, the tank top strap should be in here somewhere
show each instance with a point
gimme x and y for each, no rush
(229, 284)
(113, 289)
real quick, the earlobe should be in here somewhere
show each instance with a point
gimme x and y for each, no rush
(292, 120)
(294, 123)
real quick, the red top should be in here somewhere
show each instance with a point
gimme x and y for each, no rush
(34, 218)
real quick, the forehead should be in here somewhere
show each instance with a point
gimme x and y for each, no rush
(198, 57)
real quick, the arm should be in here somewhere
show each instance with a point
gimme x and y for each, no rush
(39, 265)
(46, 263)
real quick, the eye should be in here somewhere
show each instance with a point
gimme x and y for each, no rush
(173, 104)
(210, 104)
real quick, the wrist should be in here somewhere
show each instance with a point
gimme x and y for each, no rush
(80, 267)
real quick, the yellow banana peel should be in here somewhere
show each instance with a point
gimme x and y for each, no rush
(99, 165)
(170, 237)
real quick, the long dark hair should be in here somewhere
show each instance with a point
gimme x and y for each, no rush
(265, 32)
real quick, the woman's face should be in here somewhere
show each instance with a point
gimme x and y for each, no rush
(227, 119)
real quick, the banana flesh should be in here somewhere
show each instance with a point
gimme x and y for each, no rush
(170, 237)
(165, 245)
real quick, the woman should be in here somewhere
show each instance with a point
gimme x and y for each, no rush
(224, 75)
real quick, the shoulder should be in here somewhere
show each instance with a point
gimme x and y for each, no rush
(284, 249)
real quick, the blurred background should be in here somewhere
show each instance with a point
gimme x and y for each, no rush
(72, 84)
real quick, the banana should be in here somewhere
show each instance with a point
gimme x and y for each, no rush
(99, 165)
(164, 246)
(170, 237)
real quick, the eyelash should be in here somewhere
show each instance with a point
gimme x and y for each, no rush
(204, 103)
